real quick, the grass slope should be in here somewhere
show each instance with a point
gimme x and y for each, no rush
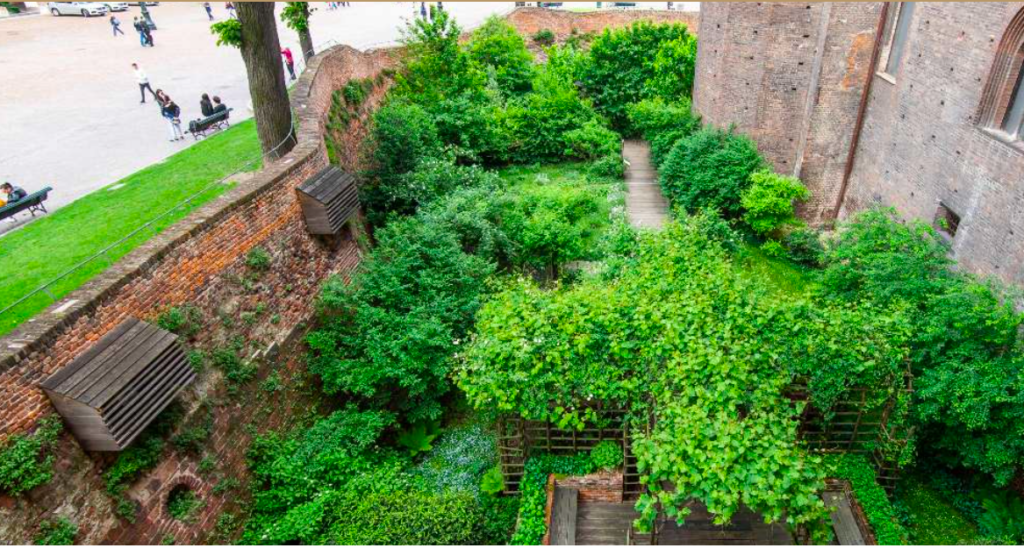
(46, 248)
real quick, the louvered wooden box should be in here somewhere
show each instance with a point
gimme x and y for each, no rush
(113, 390)
(329, 199)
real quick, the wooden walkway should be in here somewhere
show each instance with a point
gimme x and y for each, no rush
(646, 206)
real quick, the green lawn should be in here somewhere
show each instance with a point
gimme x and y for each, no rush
(932, 520)
(46, 248)
(781, 275)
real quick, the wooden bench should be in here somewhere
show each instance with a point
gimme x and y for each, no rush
(214, 122)
(33, 203)
(844, 522)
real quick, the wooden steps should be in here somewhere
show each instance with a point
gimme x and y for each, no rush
(646, 206)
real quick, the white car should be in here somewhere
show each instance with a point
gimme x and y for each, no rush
(116, 6)
(85, 9)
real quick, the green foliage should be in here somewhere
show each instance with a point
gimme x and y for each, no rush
(544, 37)
(388, 336)
(459, 461)
(142, 455)
(26, 461)
(1003, 517)
(497, 48)
(872, 498)
(965, 346)
(228, 32)
(418, 438)
(185, 320)
(592, 141)
(296, 16)
(197, 360)
(930, 520)
(539, 123)
(641, 61)
(710, 169)
(769, 201)
(182, 504)
(804, 246)
(402, 135)
(356, 90)
(773, 249)
(237, 371)
(435, 66)
(58, 532)
(606, 455)
(193, 434)
(610, 165)
(493, 481)
(533, 498)
(258, 259)
(662, 123)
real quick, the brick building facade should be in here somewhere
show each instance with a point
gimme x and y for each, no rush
(866, 108)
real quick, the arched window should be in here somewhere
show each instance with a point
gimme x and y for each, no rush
(1002, 103)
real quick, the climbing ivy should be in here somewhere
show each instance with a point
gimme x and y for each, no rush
(26, 461)
(872, 498)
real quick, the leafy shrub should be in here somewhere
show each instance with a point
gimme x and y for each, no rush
(662, 123)
(769, 201)
(773, 249)
(606, 455)
(872, 498)
(185, 320)
(610, 165)
(258, 259)
(1003, 517)
(641, 61)
(540, 122)
(182, 504)
(460, 461)
(471, 126)
(544, 37)
(533, 497)
(402, 134)
(497, 46)
(26, 461)
(237, 371)
(592, 141)
(804, 246)
(965, 348)
(388, 337)
(59, 532)
(142, 455)
(493, 482)
(710, 169)
(197, 360)
(418, 438)
(356, 90)
(434, 178)
(435, 66)
(193, 435)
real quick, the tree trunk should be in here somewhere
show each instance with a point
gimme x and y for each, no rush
(306, 42)
(261, 52)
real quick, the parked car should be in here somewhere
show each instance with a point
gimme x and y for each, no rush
(140, 3)
(85, 9)
(116, 6)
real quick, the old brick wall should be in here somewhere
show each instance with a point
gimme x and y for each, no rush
(200, 261)
(922, 145)
(790, 76)
(530, 20)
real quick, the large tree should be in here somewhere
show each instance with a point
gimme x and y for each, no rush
(255, 34)
(296, 16)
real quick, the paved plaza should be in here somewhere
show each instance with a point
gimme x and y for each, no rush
(69, 103)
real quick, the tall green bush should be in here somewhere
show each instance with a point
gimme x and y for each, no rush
(540, 122)
(641, 61)
(872, 498)
(768, 202)
(710, 169)
(662, 123)
(498, 48)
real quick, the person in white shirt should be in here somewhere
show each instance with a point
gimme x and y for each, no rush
(143, 80)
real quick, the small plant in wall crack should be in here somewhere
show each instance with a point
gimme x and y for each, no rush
(26, 460)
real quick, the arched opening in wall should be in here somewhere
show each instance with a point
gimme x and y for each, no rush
(1001, 112)
(183, 504)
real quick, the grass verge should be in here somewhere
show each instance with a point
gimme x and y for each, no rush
(932, 521)
(46, 248)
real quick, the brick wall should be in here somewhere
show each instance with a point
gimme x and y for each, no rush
(790, 76)
(921, 143)
(530, 20)
(199, 261)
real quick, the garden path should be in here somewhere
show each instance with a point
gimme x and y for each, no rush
(646, 206)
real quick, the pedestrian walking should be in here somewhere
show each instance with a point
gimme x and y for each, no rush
(423, 10)
(147, 32)
(289, 61)
(230, 7)
(116, 25)
(138, 28)
(172, 113)
(143, 80)
(440, 6)
(209, 10)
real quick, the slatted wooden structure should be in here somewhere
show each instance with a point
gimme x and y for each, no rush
(113, 390)
(518, 437)
(563, 517)
(329, 199)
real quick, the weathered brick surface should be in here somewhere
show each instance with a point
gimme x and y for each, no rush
(790, 76)
(922, 144)
(530, 20)
(200, 261)
(596, 487)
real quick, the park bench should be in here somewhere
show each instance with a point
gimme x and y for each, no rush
(214, 122)
(33, 203)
